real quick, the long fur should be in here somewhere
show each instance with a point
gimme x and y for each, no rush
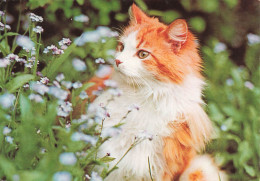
(167, 86)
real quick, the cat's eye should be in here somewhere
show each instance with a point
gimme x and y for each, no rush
(142, 54)
(120, 47)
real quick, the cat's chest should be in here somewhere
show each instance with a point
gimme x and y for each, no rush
(140, 120)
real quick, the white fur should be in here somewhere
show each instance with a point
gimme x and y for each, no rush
(209, 170)
(160, 104)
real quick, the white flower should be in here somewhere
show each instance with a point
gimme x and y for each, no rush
(4, 62)
(12, 57)
(143, 134)
(16, 177)
(253, 39)
(79, 65)
(44, 80)
(60, 77)
(25, 42)
(2, 13)
(64, 108)
(9, 139)
(106, 32)
(81, 18)
(115, 92)
(133, 106)
(38, 87)
(229, 82)
(3, 27)
(68, 158)
(35, 18)
(77, 85)
(220, 47)
(110, 132)
(38, 29)
(95, 177)
(6, 130)
(46, 50)
(67, 84)
(77, 136)
(35, 97)
(103, 71)
(249, 85)
(62, 176)
(65, 41)
(99, 60)
(223, 127)
(83, 95)
(58, 93)
(7, 100)
(110, 83)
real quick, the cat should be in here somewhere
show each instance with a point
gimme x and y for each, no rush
(157, 67)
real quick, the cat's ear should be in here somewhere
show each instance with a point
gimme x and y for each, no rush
(137, 15)
(177, 32)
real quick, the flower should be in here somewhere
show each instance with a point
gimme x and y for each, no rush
(79, 65)
(220, 47)
(110, 132)
(77, 85)
(54, 49)
(115, 92)
(65, 41)
(6, 130)
(230, 82)
(103, 71)
(62, 176)
(67, 84)
(143, 134)
(44, 80)
(64, 108)
(35, 97)
(253, 39)
(7, 100)
(25, 42)
(35, 18)
(95, 177)
(81, 18)
(68, 158)
(12, 57)
(2, 13)
(3, 27)
(39, 87)
(9, 139)
(60, 77)
(133, 106)
(99, 60)
(58, 93)
(110, 83)
(77, 136)
(38, 29)
(4, 62)
(83, 95)
(249, 85)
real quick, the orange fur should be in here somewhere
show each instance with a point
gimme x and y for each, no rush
(196, 176)
(168, 61)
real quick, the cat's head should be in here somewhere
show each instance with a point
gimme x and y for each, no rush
(151, 50)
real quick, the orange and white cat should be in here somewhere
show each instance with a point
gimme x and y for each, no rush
(158, 68)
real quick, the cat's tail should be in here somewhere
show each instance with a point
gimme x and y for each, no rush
(202, 168)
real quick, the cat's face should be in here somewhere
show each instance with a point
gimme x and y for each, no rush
(151, 50)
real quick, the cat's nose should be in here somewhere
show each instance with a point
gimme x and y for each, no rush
(118, 62)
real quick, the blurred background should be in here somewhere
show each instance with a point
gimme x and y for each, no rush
(228, 32)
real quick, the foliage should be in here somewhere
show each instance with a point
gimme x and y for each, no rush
(39, 139)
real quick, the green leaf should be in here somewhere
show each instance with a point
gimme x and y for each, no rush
(18, 82)
(84, 87)
(51, 69)
(249, 170)
(106, 159)
(80, 2)
(11, 34)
